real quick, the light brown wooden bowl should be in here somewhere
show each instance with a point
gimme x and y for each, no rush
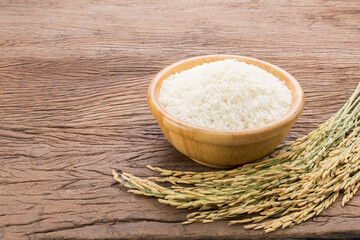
(224, 148)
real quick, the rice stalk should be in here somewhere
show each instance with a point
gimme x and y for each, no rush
(295, 183)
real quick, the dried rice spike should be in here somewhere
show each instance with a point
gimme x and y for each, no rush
(298, 182)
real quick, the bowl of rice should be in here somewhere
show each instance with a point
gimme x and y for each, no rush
(223, 110)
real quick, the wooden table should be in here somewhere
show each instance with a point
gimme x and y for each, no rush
(73, 81)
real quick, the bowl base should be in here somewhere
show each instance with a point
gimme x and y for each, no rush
(215, 165)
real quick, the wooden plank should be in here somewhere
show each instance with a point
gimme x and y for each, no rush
(73, 81)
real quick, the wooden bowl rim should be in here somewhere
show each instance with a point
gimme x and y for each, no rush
(190, 130)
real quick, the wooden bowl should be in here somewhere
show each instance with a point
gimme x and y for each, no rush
(224, 148)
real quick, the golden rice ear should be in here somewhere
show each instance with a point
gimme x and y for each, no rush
(291, 186)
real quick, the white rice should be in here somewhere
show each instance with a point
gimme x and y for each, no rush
(225, 95)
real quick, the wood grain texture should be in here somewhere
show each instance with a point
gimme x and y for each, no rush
(73, 81)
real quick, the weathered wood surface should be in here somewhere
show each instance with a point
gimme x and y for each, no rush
(73, 81)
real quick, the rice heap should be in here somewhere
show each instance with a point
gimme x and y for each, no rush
(225, 95)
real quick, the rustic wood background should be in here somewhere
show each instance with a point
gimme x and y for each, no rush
(73, 81)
